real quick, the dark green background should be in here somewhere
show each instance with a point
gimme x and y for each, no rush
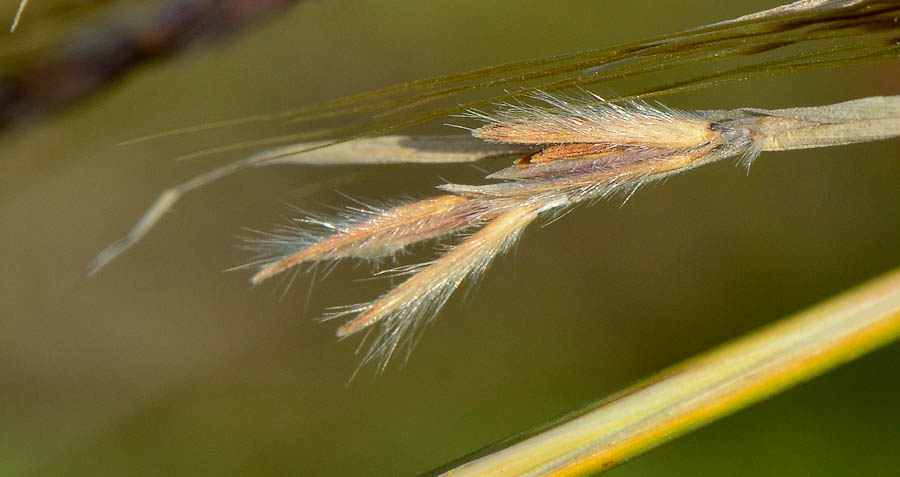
(163, 365)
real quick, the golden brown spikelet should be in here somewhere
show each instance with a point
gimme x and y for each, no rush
(383, 234)
(403, 310)
(592, 120)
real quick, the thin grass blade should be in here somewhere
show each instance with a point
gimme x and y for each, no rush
(701, 390)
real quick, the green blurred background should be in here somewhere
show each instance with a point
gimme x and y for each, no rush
(162, 364)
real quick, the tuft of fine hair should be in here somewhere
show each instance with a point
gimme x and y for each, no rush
(591, 119)
(366, 232)
(404, 311)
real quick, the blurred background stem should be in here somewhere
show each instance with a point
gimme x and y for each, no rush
(703, 389)
(78, 63)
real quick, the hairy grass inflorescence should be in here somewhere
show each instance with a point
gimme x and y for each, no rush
(569, 149)
(583, 149)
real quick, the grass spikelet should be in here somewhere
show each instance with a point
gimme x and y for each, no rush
(378, 233)
(591, 119)
(403, 310)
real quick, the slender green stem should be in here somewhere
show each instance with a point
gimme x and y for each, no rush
(701, 390)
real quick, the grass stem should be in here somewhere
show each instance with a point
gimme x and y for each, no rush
(700, 390)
